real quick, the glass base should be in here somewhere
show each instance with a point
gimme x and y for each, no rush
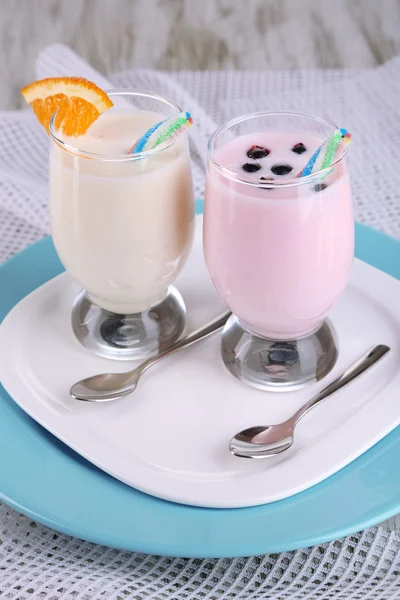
(278, 365)
(132, 336)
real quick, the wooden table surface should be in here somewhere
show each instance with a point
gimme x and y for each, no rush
(196, 34)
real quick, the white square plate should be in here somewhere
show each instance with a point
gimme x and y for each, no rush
(170, 438)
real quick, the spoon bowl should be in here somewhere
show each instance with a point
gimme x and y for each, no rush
(105, 387)
(264, 441)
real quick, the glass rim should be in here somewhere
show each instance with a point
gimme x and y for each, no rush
(271, 184)
(117, 157)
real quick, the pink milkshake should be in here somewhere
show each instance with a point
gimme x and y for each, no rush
(278, 248)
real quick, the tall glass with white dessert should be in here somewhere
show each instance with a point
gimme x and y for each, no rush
(122, 225)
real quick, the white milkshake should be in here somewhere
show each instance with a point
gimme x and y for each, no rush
(121, 226)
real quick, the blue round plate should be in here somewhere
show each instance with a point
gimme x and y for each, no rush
(43, 478)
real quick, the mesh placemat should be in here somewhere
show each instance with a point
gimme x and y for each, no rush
(36, 562)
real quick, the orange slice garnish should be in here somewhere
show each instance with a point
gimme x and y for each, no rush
(78, 103)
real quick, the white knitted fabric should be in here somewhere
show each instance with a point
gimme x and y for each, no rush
(38, 563)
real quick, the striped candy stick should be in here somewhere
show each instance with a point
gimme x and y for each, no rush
(325, 154)
(162, 131)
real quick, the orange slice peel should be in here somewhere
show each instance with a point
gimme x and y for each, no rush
(77, 101)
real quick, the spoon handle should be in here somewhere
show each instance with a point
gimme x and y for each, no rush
(194, 337)
(351, 373)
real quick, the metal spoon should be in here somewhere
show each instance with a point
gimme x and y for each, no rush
(112, 386)
(268, 440)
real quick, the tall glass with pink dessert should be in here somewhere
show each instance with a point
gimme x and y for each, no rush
(278, 246)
